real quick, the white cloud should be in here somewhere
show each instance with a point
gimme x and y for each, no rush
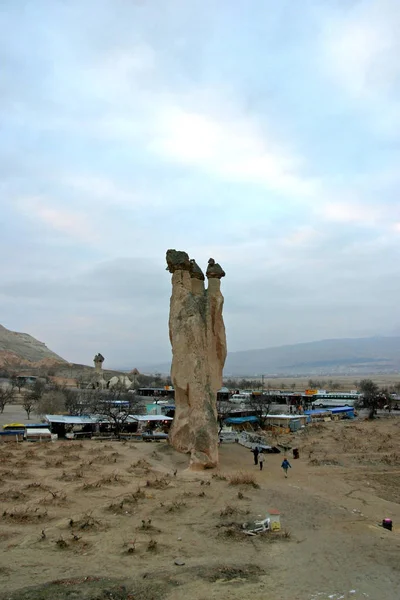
(74, 224)
(231, 148)
(102, 189)
(302, 236)
(360, 49)
(350, 212)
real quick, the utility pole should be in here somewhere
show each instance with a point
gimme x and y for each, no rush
(262, 384)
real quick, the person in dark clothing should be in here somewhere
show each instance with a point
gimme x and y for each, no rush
(261, 460)
(256, 452)
(286, 465)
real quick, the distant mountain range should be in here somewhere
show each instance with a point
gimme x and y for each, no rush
(356, 356)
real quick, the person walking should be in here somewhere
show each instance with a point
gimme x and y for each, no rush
(261, 460)
(286, 465)
(256, 452)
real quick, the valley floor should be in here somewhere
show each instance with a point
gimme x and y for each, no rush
(101, 520)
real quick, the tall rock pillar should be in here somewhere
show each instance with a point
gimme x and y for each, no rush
(98, 363)
(198, 341)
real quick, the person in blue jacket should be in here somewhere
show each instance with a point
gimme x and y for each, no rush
(286, 465)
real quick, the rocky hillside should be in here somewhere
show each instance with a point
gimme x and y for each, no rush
(23, 350)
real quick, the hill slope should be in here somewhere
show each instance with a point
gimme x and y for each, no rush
(22, 346)
(340, 356)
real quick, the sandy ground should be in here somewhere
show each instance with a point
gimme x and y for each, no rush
(109, 519)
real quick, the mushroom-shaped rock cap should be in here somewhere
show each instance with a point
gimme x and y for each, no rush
(196, 272)
(214, 270)
(98, 358)
(177, 259)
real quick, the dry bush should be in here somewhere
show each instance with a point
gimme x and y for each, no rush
(140, 464)
(315, 462)
(72, 457)
(391, 459)
(229, 510)
(54, 464)
(61, 543)
(130, 547)
(12, 495)
(14, 474)
(25, 515)
(159, 483)
(152, 546)
(37, 485)
(106, 459)
(4, 454)
(87, 523)
(113, 479)
(32, 455)
(71, 476)
(54, 498)
(121, 505)
(174, 506)
(118, 508)
(243, 478)
(233, 532)
(219, 476)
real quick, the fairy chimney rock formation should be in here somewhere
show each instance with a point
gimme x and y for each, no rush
(197, 335)
(98, 362)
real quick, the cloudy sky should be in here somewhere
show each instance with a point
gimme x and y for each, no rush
(265, 134)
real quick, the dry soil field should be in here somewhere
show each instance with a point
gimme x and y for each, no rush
(107, 520)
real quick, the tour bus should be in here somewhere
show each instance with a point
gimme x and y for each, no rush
(333, 400)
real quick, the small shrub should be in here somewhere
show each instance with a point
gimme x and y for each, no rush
(24, 515)
(146, 524)
(61, 543)
(54, 498)
(159, 483)
(243, 478)
(219, 477)
(152, 546)
(175, 506)
(86, 522)
(12, 496)
(228, 511)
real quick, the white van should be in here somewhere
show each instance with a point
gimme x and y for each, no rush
(239, 398)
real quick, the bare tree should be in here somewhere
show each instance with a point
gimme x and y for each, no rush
(115, 404)
(28, 404)
(7, 395)
(260, 404)
(223, 410)
(51, 402)
(36, 390)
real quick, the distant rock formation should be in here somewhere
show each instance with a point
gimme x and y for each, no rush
(98, 362)
(21, 349)
(197, 335)
(122, 381)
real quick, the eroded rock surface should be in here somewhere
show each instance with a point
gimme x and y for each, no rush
(198, 340)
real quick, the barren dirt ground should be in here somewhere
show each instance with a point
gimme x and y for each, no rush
(102, 520)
